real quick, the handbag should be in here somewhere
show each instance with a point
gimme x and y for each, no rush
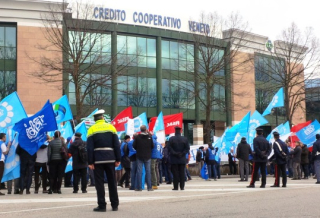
(64, 152)
(284, 155)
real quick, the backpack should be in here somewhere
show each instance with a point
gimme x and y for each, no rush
(82, 150)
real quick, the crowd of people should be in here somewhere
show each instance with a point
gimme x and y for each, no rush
(99, 158)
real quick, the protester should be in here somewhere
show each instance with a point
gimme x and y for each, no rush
(178, 148)
(210, 161)
(41, 166)
(289, 160)
(125, 162)
(243, 152)
(27, 162)
(68, 175)
(305, 161)
(167, 164)
(56, 162)
(316, 157)
(143, 145)
(4, 150)
(296, 161)
(79, 163)
(133, 163)
(16, 186)
(155, 155)
(103, 156)
(280, 153)
(262, 150)
(188, 176)
(232, 163)
(200, 158)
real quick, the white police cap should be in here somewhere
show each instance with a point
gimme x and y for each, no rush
(99, 112)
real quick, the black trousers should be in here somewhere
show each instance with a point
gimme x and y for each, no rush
(125, 177)
(280, 170)
(305, 168)
(234, 166)
(178, 171)
(109, 169)
(255, 170)
(26, 170)
(169, 173)
(56, 172)
(44, 175)
(77, 175)
(1, 170)
(67, 179)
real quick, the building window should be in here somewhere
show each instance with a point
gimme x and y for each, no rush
(8, 59)
(136, 51)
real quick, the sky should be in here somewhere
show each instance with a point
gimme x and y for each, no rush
(267, 18)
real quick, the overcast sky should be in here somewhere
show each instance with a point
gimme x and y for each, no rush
(266, 18)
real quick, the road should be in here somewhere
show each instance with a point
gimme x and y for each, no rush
(223, 198)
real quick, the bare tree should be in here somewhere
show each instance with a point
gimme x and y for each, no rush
(294, 59)
(216, 63)
(87, 58)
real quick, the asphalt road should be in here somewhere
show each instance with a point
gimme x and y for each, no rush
(223, 198)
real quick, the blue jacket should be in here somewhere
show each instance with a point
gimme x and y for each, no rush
(315, 149)
(156, 151)
(132, 151)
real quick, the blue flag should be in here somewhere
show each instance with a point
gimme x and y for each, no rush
(93, 112)
(33, 130)
(81, 128)
(159, 125)
(204, 172)
(139, 121)
(277, 129)
(307, 135)
(256, 120)
(11, 110)
(12, 163)
(277, 101)
(66, 130)
(241, 128)
(69, 165)
(62, 109)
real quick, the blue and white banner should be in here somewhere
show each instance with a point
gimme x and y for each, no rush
(12, 163)
(204, 172)
(81, 128)
(240, 129)
(256, 120)
(62, 109)
(69, 165)
(277, 101)
(66, 130)
(11, 111)
(159, 123)
(307, 135)
(33, 130)
(133, 125)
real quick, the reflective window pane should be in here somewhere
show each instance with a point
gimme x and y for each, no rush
(151, 47)
(132, 45)
(151, 62)
(142, 61)
(165, 49)
(1, 36)
(142, 46)
(165, 63)
(174, 50)
(122, 44)
(10, 36)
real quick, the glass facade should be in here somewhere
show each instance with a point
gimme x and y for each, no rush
(313, 99)
(8, 59)
(269, 74)
(138, 55)
(96, 80)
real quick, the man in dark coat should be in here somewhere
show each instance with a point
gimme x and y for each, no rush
(243, 151)
(296, 161)
(79, 167)
(262, 150)
(143, 145)
(178, 148)
(200, 158)
(305, 161)
(280, 154)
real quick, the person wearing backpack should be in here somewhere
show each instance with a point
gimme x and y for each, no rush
(78, 152)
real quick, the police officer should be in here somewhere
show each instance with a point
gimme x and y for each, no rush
(280, 154)
(103, 156)
(178, 147)
(262, 150)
